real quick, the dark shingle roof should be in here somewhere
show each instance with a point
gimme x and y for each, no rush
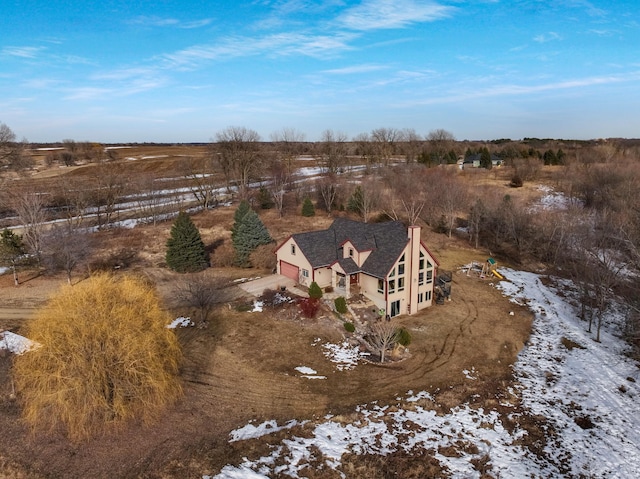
(386, 241)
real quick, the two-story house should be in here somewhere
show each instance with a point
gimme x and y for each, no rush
(386, 262)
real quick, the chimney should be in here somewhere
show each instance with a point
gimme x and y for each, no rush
(414, 264)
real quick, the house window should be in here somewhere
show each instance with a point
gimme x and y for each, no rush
(421, 278)
(350, 252)
(305, 273)
(420, 297)
(401, 266)
(392, 286)
(427, 296)
(429, 276)
(393, 273)
(293, 249)
(401, 284)
(421, 264)
(380, 286)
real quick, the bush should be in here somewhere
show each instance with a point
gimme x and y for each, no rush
(349, 326)
(223, 255)
(309, 307)
(105, 357)
(516, 181)
(341, 305)
(315, 292)
(262, 257)
(404, 337)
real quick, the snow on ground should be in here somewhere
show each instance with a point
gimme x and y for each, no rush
(16, 344)
(344, 355)
(3, 270)
(551, 200)
(309, 373)
(180, 322)
(257, 306)
(588, 392)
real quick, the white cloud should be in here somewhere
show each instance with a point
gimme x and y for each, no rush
(154, 21)
(547, 37)
(22, 52)
(384, 14)
(281, 44)
(354, 69)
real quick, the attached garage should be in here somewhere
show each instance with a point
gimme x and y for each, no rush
(289, 270)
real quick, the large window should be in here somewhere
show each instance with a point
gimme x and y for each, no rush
(401, 284)
(392, 286)
(381, 286)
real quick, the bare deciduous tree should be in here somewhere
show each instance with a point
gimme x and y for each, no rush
(440, 142)
(201, 293)
(202, 182)
(66, 248)
(333, 151)
(238, 153)
(13, 153)
(29, 205)
(384, 143)
(381, 337)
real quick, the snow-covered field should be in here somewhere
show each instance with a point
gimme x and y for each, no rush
(587, 391)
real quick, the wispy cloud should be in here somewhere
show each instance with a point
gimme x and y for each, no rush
(354, 69)
(385, 14)
(153, 21)
(281, 44)
(22, 52)
(521, 90)
(547, 37)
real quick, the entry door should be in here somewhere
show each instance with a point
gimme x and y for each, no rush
(395, 308)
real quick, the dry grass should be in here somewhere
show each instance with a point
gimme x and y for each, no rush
(105, 357)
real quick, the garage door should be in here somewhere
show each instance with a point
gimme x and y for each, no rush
(289, 270)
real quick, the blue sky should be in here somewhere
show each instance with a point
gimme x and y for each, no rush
(181, 70)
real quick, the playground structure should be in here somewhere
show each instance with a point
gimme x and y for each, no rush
(483, 270)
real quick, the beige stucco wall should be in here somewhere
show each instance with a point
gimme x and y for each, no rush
(284, 254)
(323, 277)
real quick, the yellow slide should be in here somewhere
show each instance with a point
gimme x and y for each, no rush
(498, 275)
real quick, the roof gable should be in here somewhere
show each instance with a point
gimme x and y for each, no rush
(386, 241)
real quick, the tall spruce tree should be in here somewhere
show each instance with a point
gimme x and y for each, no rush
(185, 250)
(247, 234)
(241, 211)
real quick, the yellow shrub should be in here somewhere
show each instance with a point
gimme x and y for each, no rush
(105, 357)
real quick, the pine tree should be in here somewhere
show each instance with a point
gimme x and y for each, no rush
(11, 251)
(241, 211)
(248, 234)
(185, 250)
(307, 208)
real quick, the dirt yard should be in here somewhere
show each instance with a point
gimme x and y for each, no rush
(241, 369)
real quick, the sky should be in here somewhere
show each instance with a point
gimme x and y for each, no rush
(182, 70)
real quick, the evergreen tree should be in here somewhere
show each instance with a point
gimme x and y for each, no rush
(249, 233)
(265, 199)
(485, 158)
(307, 208)
(12, 250)
(241, 211)
(185, 250)
(315, 292)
